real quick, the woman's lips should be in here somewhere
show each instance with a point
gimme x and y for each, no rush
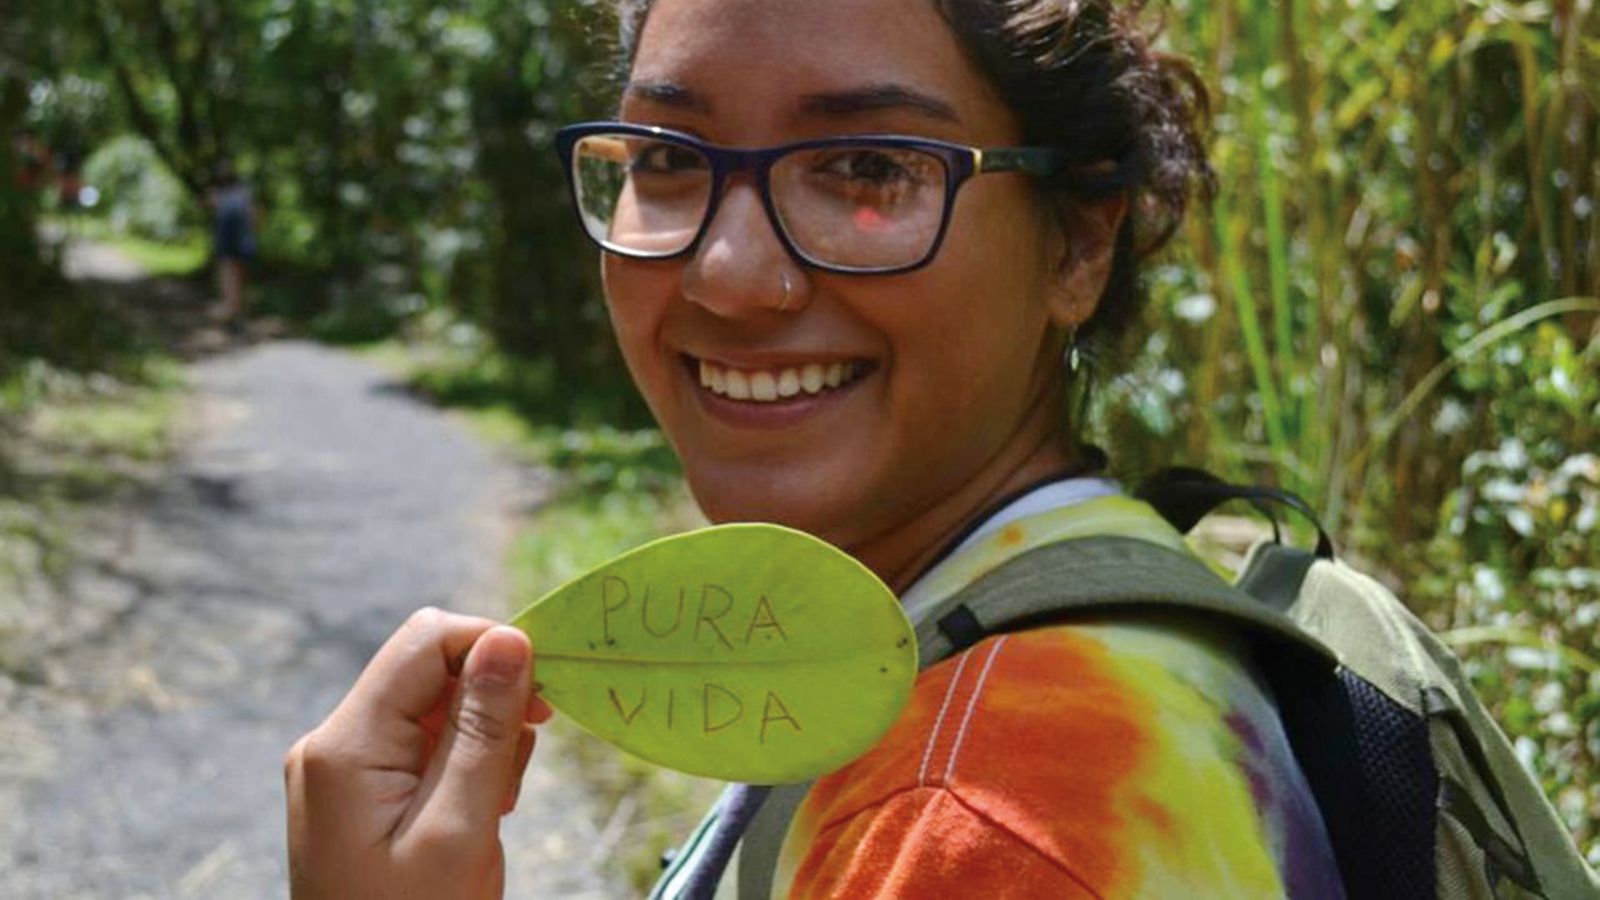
(772, 394)
(775, 384)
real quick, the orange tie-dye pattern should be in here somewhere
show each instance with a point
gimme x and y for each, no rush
(1012, 535)
(1059, 762)
(1063, 734)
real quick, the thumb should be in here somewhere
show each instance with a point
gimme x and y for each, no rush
(476, 759)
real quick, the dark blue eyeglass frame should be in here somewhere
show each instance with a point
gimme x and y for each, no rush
(960, 163)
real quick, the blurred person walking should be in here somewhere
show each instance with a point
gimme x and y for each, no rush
(234, 240)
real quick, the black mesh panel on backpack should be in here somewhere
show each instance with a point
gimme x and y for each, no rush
(1369, 764)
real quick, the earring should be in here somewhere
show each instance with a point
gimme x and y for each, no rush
(1074, 359)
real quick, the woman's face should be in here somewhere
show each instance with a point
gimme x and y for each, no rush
(946, 371)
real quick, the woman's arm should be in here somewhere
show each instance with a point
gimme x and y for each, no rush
(400, 791)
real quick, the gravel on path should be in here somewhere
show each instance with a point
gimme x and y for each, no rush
(314, 507)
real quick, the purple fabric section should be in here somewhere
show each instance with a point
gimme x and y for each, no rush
(1288, 810)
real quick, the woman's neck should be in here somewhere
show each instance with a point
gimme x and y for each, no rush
(900, 556)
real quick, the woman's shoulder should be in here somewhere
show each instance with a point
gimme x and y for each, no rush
(1111, 691)
(1140, 749)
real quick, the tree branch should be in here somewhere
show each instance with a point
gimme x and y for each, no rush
(143, 120)
(185, 86)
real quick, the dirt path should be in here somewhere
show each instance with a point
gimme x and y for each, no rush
(313, 507)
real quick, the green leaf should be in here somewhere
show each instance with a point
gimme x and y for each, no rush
(1356, 105)
(745, 652)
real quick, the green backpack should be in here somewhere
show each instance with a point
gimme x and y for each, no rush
(1419, 789)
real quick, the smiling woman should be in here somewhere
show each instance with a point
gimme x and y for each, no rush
(851, 250)
(962, 342)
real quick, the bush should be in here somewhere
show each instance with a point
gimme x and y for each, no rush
(139, 195)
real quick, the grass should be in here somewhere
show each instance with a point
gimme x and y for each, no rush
(1371, 159)
(178, 258)
(73, 442)
(114, 418)
(161, 259)
(1400, 320)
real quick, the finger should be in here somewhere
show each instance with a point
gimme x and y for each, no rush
(524, 750)
(433, 720)
(539, 710)
(413, 668)
(298, 831)
(476, 759)
(524, 753)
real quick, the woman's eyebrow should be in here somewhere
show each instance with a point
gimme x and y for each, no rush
(876, 97)
(829, 104)
(668, 93)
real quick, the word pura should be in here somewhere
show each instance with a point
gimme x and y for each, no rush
(716, 617)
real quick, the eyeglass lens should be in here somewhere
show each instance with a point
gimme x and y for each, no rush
(857, 206)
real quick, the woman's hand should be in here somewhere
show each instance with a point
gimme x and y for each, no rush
(399, 793)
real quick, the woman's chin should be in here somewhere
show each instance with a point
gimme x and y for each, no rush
(797, 509)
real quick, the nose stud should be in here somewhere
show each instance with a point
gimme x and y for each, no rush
(784, 278)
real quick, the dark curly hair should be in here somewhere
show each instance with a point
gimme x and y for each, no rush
(1084, 76)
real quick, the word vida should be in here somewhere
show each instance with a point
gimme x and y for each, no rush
(713, 618)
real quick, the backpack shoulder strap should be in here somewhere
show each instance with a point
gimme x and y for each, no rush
(763, 840)
(1100, 574)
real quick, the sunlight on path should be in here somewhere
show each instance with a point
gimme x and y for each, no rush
(85, 259)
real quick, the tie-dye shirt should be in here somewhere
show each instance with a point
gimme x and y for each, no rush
(1119, 758)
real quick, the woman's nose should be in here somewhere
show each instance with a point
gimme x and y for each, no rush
(741, 267)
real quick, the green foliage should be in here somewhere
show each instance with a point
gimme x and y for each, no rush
(606, 458)
(1391, 310)
(184, 255)
(28, 275)
(1516, 566)
(407, 137)
(139, 196)
(462, 366)
(166, 259)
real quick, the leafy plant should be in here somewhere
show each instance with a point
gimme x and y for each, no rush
(139, 195)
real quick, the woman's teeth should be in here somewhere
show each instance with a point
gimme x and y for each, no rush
(772, 385)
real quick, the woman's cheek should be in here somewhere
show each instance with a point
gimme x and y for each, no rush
(635, 322)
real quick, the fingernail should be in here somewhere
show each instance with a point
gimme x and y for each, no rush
(501, 656)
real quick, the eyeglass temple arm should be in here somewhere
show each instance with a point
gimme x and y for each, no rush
(1030, 160)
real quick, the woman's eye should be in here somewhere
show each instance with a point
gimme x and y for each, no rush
(877, 167)
(663, 158)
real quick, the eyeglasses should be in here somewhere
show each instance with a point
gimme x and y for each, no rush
(859, 205)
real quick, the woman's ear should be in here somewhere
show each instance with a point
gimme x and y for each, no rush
(1084, 254)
